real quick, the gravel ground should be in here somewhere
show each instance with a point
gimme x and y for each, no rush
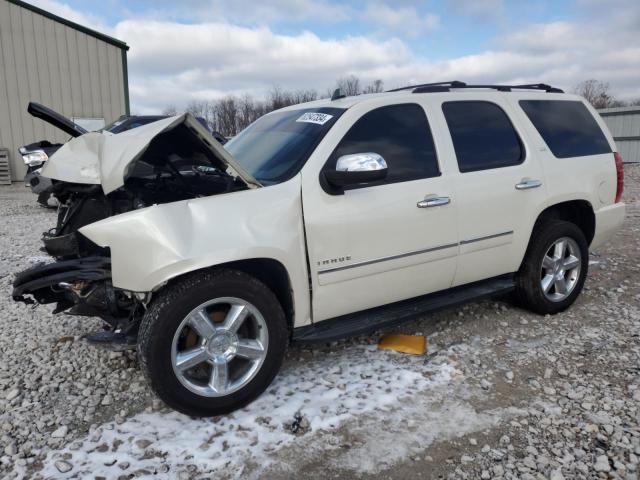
(502, 393)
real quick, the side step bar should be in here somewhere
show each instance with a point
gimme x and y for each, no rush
(393, 314)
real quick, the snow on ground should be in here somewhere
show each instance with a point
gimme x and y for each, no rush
(357, 387)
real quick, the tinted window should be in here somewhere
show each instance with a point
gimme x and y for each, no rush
(482, 135)
(276, 146)
(400, 133)
(567, 127)
(123, 124)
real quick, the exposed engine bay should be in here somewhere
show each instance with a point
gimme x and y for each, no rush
(176, 164)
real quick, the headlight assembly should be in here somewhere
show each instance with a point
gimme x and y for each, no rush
(34, 158)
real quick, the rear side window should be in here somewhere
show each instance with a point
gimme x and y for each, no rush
(401, 134)
(567, 127)
(483, 136)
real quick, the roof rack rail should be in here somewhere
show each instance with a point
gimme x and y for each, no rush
(447, 86)
(452, 84)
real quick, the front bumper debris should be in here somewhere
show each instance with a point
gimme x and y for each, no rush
(49, 283)
(83, 287)
(62, 246)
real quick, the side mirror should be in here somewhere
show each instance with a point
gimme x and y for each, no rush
(357, 168)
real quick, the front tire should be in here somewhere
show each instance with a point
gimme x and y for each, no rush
(212, 342)
(554, 268)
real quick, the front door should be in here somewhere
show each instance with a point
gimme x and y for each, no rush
(382, 242)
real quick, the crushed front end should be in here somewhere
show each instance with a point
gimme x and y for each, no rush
(95, 177)
(82, 287)
(79, 282)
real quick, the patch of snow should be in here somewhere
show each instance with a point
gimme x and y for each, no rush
(357, 387)
(397, 441)
(40, 259)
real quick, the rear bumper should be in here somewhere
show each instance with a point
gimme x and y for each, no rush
(608, 221)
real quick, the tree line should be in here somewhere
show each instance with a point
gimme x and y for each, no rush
(599, 94)
(232, 113)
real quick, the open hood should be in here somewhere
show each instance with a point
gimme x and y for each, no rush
(55, 119)
(108, 160)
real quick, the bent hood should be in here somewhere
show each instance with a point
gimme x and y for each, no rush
(54, 118)
(99, 159)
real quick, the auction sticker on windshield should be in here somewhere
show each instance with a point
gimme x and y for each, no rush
(317, 118)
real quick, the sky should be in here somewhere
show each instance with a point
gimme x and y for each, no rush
(188, 50)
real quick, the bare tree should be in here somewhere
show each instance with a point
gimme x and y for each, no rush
(278, 98)
(230, 114)
(226, 111)
(350, 85)
(302, 96)
(201, 109)
(597, 93)
(249, 110)
(376, 86)
(170, 110)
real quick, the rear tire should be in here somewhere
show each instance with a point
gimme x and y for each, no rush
(232, 322)
(554, 268)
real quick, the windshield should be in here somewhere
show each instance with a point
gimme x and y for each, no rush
(113, 125)
(127, 123)
(275, 147)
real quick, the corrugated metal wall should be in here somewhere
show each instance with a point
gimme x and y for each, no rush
(624, 124)
(57, 65)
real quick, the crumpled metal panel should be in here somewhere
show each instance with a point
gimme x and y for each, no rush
(155, 244)
(104, 159)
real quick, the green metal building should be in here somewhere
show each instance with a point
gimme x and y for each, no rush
(74, 70)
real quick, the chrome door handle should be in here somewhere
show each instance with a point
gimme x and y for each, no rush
(434, 202)
(527, 184)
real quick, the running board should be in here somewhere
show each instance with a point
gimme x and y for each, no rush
(393, 314)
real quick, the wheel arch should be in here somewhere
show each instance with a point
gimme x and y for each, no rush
(579, 212)
(269, 271)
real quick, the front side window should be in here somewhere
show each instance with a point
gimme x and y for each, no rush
(483, 136)
(567, 127)
(401, 135)
(276, 146)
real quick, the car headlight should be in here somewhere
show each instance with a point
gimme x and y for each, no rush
(35, 158)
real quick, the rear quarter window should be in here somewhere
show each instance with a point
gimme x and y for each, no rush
(567, 127)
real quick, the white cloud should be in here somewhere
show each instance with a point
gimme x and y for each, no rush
(65, 11)
(283, 10)
(406, 20)
(250, 12)
(172, 62)
(481, 9)
(182, 62)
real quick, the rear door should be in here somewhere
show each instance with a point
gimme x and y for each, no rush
(500, 185)
(375, 244)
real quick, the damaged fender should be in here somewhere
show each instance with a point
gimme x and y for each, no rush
(155, 244)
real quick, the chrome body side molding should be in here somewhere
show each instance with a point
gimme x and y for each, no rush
(416, 252)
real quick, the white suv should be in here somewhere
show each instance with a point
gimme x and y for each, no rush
(323, 220)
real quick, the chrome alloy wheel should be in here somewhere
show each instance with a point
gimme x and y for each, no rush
(560, 269)
(219, 347)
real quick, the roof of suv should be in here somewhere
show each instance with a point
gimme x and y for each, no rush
(535, 90)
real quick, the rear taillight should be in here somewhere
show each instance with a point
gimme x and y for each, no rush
(619, 175)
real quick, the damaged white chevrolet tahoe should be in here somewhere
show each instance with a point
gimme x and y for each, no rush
(323, 220)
